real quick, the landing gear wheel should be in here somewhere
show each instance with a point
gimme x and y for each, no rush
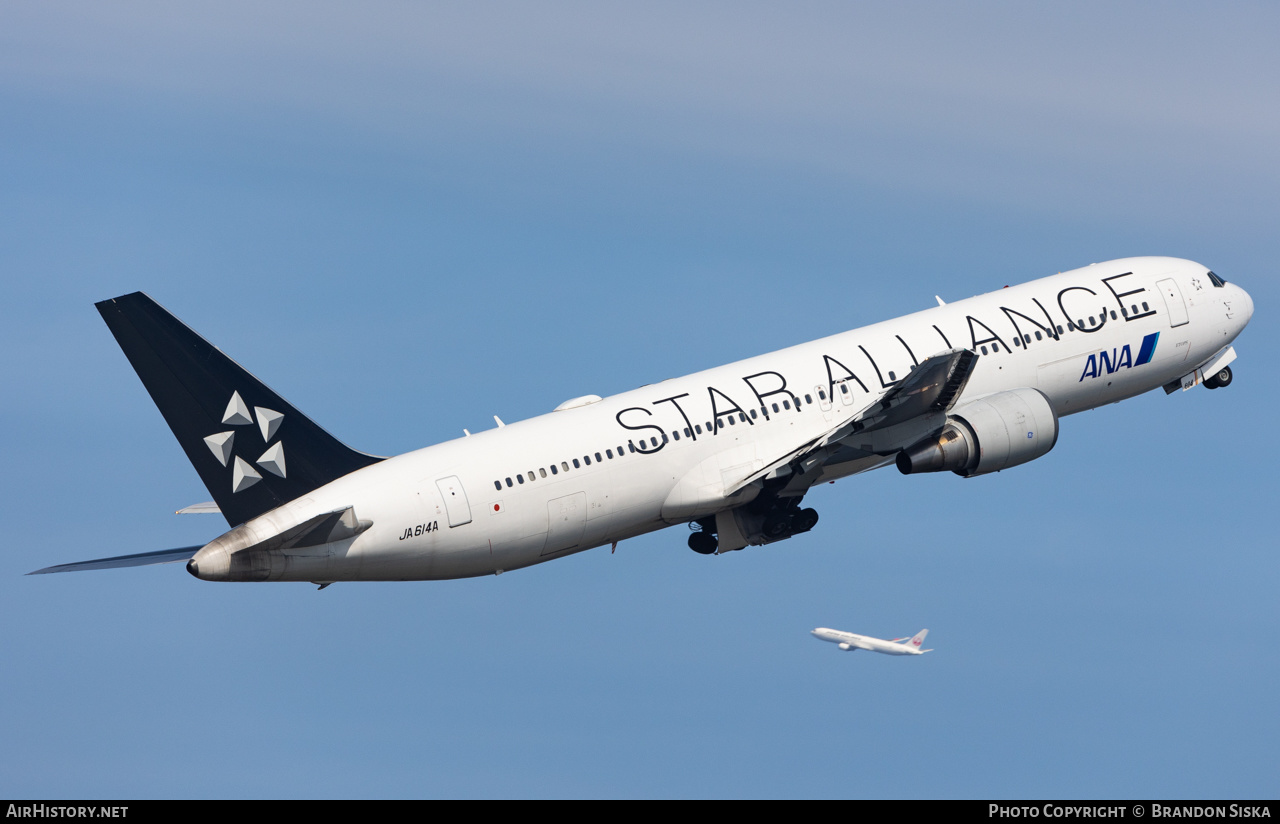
(804, 520)
(703, 543)
(776, 526)
(1219, 380)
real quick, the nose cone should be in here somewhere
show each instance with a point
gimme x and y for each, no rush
(1246, 304)
(1239, 308)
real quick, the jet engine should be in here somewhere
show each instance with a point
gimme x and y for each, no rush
(987, 435)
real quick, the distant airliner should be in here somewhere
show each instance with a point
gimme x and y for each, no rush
(851, 642)
(972, 387)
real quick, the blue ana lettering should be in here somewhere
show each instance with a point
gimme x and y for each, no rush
(1090, 368)
(1108, 363)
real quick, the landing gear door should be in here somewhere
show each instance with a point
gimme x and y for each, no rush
(455, 500)
(1173, 300)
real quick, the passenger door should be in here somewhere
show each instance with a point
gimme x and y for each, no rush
(455, 500)
(1173, 301)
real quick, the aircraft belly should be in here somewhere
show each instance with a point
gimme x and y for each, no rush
(387, 557)
(700, 490)
(470, 563)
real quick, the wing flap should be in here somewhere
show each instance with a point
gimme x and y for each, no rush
(931, 387)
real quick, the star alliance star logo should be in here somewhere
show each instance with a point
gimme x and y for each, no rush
(243, 475)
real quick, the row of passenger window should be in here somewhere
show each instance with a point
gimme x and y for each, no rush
(722, 422)
(1025, 340)
(564, 466)
(728, 419)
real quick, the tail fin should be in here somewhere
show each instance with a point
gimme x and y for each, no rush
(233, 428)
(917, 640)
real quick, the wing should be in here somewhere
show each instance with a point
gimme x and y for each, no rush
(922, 397)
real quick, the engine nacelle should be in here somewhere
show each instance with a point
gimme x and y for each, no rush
(844, 646)
(987, 435)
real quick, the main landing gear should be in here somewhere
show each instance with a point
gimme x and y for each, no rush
(702, 542)
(1221, 378)
(779, 524)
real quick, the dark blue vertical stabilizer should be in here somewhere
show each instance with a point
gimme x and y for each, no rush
(253, 449)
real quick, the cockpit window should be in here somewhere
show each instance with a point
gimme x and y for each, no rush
(1217, 281)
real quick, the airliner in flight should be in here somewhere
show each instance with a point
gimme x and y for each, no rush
(851, 642)
(970, 387)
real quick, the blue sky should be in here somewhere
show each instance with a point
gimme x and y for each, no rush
(409, 218)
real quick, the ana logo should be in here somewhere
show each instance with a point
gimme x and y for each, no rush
(1107, 363)
(222, 444)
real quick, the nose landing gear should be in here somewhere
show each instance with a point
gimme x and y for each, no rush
(1220, 379)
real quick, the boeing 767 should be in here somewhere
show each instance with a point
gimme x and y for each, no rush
(972, 387)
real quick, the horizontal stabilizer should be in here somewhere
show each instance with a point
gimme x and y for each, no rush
(321, 529)
(164, 556)
(206, 508)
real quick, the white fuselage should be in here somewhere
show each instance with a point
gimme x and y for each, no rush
(577, 478)
(848, 641)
